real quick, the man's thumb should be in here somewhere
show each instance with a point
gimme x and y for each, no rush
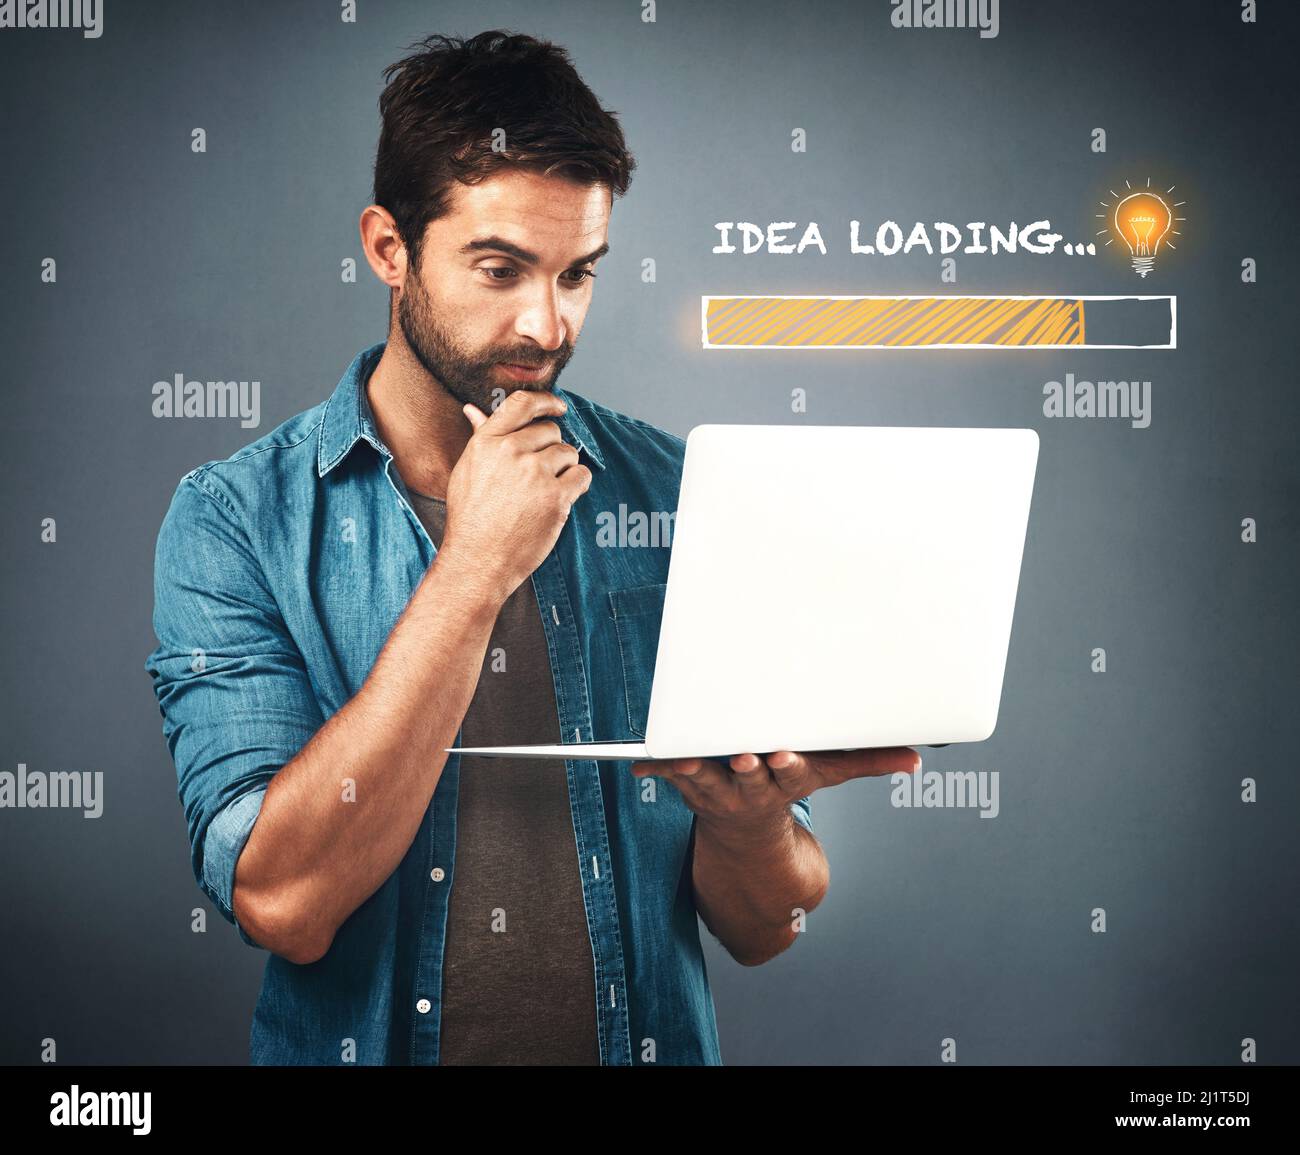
(474, 413)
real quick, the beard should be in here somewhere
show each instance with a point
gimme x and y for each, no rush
(470, 378)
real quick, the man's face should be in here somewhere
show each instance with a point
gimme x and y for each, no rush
(504, 279)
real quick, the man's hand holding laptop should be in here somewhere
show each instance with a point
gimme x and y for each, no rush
(755, 872)
(747, 791)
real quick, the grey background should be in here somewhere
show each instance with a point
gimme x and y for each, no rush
(1118, 790)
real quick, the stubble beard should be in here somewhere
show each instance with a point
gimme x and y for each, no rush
(471, 380)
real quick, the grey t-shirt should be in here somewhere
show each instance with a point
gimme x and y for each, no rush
(518, 982)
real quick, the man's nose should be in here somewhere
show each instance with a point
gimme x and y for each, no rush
(543, 321)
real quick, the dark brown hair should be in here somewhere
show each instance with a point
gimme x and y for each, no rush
(441, 104)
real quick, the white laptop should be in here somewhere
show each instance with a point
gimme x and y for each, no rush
(833, 587)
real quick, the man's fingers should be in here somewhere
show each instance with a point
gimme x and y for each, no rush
(578, 479)
(558, 457)
(702, 775)
(752, 773)
(522, 407)
(791, 768)
(538, 435)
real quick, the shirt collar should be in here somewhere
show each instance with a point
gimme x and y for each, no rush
(348, 418)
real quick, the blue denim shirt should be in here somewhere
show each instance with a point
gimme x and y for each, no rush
(279, 574)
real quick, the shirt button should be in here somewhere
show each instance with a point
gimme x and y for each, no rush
(437, 874)
(423, 1006)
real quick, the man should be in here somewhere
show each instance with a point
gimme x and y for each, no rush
(412, 565)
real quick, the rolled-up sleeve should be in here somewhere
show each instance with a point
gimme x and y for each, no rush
(231, 684)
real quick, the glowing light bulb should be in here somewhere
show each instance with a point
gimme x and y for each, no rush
(1143, 219)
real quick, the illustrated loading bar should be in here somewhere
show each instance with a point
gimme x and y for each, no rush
(948, 322)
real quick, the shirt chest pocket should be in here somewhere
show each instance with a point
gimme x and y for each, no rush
(637, 612)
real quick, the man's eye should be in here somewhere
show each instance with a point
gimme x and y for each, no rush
(492, 270)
